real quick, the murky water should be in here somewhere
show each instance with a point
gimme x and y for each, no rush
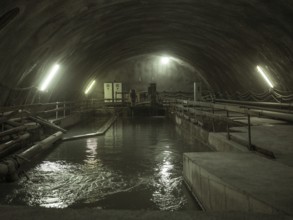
(137, 164)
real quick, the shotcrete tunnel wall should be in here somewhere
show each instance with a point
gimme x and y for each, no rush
(223, 40)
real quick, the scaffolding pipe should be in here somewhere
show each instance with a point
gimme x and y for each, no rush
(265, 104)
(9, 168)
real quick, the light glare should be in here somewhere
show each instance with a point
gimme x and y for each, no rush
(49, 78)
(90, 87)
(260, 70)
(165, 60)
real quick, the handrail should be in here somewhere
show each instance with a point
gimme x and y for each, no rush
(243, 110)
(195, 107)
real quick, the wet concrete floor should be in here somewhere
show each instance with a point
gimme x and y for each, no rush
(137, 164)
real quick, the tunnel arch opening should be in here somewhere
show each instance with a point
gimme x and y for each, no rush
(138, 71)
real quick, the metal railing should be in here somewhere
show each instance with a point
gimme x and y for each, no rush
(16, 121)
(208, 109)
(56, 110)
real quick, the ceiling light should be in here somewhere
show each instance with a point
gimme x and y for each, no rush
(90, 86)
(262, 73)
(165, 60)
(49, 78)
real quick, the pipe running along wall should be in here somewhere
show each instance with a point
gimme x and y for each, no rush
(9, 168)
(101, 131)
(252, 112)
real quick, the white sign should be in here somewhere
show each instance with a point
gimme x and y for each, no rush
(113, 91)
(108, 92)
(118, 92)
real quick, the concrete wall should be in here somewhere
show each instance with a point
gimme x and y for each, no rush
(194, 133)
(68, 120)
(216, 195)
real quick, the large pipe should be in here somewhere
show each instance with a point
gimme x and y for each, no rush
(12, 142)
(13, 123)
(13, 130)
(9, 167)
(101, 131)
(46, 123)
(13, 145)
(41, 146)
(264, 104)
(8, 116)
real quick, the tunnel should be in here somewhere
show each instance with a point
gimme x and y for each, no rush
(143, 109)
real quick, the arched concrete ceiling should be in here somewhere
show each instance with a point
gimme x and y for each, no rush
(224, 41)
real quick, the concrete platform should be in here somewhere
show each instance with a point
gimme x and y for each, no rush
(226, 181)
(28, 213)
(275, 138)
(219, 142)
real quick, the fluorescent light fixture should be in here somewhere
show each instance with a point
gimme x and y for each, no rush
(90, 86)
(165, 60)
(49, 78)
(261, 71)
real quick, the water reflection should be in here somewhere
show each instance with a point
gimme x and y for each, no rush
(48, 185)
(91, 152)
(136, 165)
(168, 186)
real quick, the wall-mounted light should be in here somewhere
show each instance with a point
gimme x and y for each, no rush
(263, 74)
(89, 87)
(165, 60)
(49, 77)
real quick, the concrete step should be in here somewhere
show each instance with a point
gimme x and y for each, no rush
(226, 181)
(29, 213)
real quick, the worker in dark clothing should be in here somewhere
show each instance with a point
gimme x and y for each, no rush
(132, 96)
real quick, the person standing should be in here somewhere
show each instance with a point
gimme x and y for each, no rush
(132, 96)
